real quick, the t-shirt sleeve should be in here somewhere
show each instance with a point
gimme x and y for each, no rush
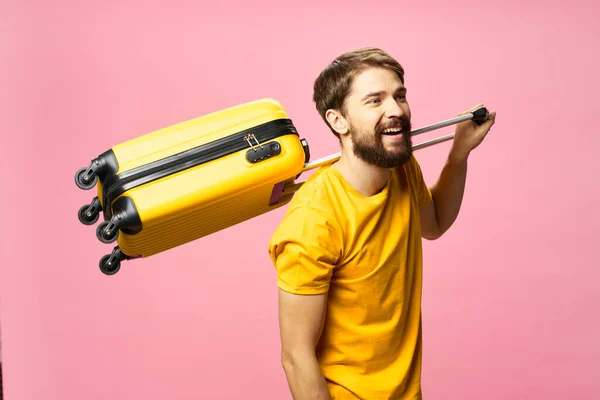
(415, 177)
(304, 250)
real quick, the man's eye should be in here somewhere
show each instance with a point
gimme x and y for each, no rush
(373, 101)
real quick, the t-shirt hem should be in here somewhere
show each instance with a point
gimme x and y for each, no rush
(295, 290)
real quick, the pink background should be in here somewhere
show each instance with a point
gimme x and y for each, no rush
(511, 292)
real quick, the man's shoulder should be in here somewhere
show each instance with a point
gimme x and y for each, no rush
(312, 210)
(411, 164)
(310, 224)
(318, 193)
(410, 170)
(412, 174)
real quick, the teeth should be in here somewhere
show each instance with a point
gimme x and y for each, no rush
(392, 130)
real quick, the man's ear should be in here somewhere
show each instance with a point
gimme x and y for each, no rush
(337, 121)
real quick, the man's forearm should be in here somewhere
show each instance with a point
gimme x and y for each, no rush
(305, 378)
(448, 191)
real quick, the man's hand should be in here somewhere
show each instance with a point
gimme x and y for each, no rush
(469, 135)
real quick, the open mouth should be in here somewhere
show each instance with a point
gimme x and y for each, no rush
(392, 131)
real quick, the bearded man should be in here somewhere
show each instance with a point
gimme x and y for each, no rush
(348, 253)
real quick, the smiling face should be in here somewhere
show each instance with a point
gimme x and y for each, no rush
(375, 120)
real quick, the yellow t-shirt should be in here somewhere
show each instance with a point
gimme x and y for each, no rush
(365, 252)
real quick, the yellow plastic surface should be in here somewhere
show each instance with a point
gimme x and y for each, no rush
(195, 132)
(212, 196)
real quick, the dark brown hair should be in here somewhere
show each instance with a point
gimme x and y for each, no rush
(334, 83)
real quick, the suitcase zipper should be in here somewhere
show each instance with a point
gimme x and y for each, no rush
(135, 177)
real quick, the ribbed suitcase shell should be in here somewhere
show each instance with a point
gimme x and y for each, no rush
(192, 133)
(187, 205)
(209, 198)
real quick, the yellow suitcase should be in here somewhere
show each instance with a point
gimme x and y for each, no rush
(188, 180)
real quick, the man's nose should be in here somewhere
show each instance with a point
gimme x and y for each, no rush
(393, 109)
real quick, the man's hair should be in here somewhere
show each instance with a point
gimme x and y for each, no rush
(333, 84)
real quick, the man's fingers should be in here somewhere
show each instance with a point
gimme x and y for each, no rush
(475, 107)
(470, 110)
(490, 120)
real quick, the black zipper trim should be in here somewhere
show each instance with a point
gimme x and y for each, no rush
(119, 184)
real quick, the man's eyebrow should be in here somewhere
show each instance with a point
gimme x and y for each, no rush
(400, 90)
(373, 94)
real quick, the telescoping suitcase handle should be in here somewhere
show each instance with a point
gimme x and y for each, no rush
(478, 116)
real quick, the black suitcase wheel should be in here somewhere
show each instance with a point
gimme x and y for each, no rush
(109, 269)
(111, 263)
(105, 237)
(88, 214)
(83, 183)
(86, 217)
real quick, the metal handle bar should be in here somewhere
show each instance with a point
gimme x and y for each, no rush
(478, 116)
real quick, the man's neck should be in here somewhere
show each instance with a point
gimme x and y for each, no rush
(366, 179)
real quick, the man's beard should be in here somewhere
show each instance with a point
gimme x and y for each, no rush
(370, 148)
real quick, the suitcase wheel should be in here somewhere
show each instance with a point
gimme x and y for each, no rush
(107, 232)
(89, 213)
(110, 264)
(85, 178)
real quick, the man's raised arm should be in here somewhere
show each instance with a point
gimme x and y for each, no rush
(438, 216)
